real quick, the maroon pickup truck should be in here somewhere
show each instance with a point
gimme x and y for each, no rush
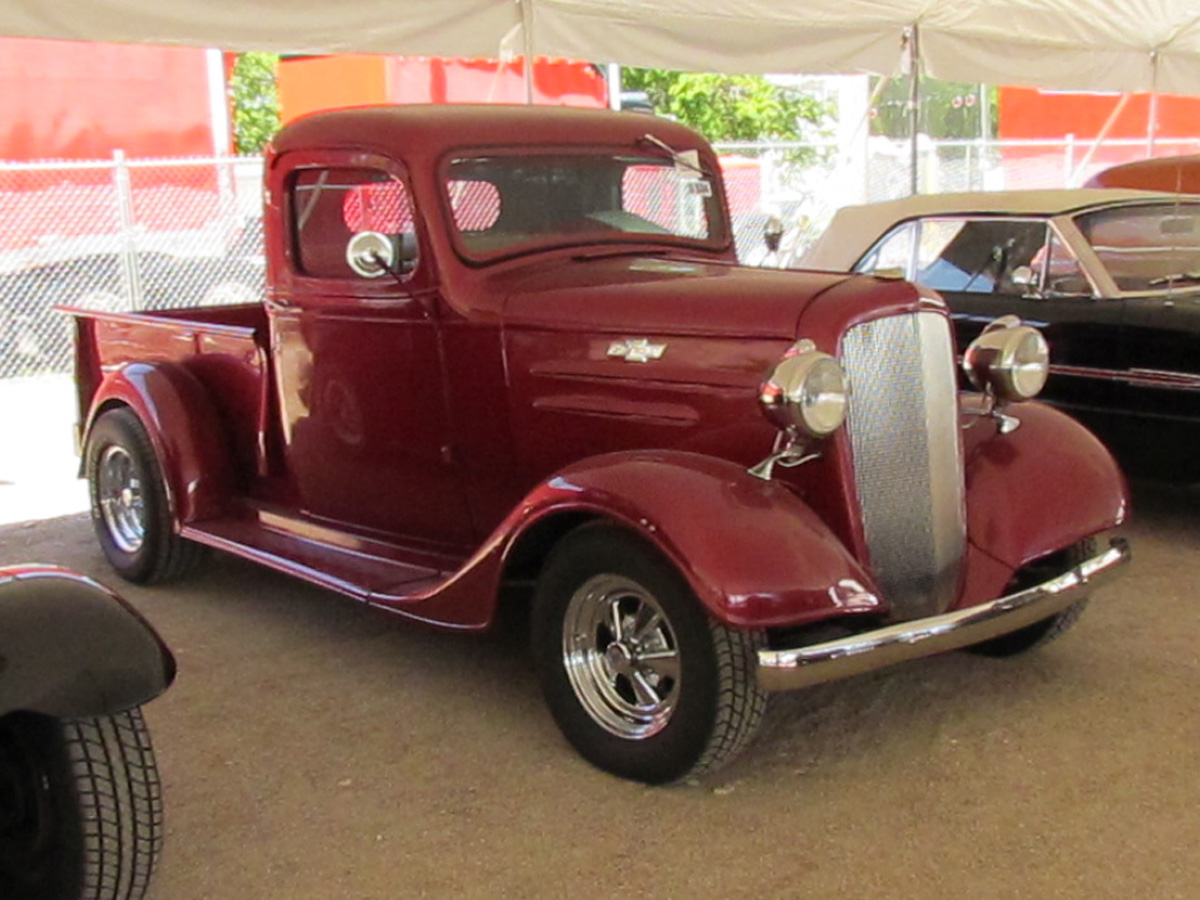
(509, 350)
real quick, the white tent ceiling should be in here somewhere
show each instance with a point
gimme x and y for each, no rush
(1135, 45)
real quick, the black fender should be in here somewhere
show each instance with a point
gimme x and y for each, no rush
(71, 648)
(185, 428)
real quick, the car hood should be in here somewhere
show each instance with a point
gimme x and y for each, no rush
(660, 295)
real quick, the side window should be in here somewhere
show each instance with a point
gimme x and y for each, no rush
(1063, 272)
(980, 256)
(329, 206)
(892, 254)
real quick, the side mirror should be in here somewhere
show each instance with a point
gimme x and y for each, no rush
(1023, 277)
(371, 254)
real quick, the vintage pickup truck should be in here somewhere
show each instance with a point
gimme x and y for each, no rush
(508, 351)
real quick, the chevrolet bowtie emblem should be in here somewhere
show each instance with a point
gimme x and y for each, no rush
(636, 350)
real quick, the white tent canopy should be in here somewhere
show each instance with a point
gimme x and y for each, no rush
(1127, 45)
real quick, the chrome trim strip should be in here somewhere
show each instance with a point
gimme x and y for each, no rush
(1160, 378)
(780, 670)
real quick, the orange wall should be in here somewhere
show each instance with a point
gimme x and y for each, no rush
(307, 84)
(1030, 113)
(328, 82)
(68, 100)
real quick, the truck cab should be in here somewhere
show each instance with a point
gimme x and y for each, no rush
(510, 349)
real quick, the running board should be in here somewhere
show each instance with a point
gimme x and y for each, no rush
(363, 572)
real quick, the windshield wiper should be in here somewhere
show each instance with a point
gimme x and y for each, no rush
(1179, 276)
(685, 159)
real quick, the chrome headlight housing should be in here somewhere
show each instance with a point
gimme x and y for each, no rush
(1009, 361)
(806, 392)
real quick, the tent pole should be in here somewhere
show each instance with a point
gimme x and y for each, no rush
(527, 46)
(1101, 137)
(913, 57)
(1152, 115)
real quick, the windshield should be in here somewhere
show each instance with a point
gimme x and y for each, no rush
(1145, 248)
(504, 205)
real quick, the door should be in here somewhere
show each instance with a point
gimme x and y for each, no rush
(358, 368)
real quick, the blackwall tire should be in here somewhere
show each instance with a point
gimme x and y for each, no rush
(639, 678)
(81, 808)
(1052, 627)
(131, 511)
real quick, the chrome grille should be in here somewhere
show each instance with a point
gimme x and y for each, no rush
(903, 428)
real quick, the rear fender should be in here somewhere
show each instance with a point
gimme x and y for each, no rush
(1039, 489)
(754, 553)
(71, 648)
(185, 429)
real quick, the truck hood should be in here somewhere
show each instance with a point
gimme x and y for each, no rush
(649, 294)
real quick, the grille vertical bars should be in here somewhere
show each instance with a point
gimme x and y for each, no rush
(904, 434)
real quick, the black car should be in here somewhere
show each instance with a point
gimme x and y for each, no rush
(80, 797)
(1111, 277)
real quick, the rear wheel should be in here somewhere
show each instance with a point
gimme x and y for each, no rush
(130, 509)
(80, 807)
(638, 677)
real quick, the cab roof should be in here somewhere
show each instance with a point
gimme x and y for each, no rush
(428, 129)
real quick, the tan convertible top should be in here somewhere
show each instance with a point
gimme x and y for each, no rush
(856, 228)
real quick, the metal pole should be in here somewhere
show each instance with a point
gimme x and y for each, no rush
(914, 105)
(614, 86)
(1152, 123)
(527, 46)
(127, 220)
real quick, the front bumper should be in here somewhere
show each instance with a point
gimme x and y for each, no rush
(781, 670)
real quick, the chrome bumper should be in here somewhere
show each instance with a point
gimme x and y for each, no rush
(781, 670)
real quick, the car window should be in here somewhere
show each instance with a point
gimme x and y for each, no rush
(1063, 274)
(978, 255)
(330, 205)
(508, 204)
(1146, 247)
(893, 253)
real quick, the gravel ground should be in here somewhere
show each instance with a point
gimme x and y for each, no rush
(313, 748)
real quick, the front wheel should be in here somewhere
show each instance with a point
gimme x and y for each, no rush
(80, 807)
(639, 678)
(1052, 627)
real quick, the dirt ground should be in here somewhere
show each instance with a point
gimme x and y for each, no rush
(312, 748)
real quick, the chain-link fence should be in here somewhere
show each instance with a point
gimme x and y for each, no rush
(805, 184)
(135, 234)
(118, 235)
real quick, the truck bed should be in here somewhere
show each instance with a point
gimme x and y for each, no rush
(223, 347)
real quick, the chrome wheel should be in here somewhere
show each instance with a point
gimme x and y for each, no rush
(119, 495)
(621, 656)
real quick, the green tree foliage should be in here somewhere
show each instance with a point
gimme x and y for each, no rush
(729, 107)
(255, 101)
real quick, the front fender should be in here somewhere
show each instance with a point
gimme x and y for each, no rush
(1038, 489)
(71, 648)
(754, 553)
(185, 429)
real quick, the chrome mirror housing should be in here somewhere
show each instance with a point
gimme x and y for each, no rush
(371, 254)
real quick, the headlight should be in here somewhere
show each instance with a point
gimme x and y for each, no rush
(1009, 360)
(806, 391)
